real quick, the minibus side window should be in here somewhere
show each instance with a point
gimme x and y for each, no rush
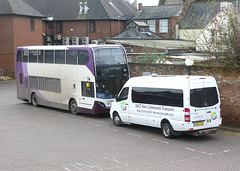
(158, 96)
(123, 95)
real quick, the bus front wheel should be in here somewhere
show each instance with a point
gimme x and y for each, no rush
(73, 107)
(34, 100)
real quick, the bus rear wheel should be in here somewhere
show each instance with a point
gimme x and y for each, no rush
(34, 100)
(73, 107)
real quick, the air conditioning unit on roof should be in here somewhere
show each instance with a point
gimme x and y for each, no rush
(94, 41)
(65, 40)
(85, 40)
(75, 40)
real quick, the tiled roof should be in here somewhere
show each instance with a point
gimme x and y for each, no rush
(98, 9)
(132, 33)
(158, 12)
(17, 7)
(200, 14)
(170, 2)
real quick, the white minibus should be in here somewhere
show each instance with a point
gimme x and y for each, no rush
(177, 104)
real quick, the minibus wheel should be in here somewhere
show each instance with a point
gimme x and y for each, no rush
(117, 120)
(167, 130)
(34, 100)
(73, 107)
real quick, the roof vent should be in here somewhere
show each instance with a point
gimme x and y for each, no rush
(83, 9)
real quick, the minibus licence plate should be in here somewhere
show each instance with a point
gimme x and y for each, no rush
(198, 123)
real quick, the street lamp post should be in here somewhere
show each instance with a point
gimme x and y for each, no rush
(189, 62)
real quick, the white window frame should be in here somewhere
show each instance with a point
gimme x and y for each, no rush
(163, 26)
(152, 25)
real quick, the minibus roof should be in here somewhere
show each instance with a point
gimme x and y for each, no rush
(171, 81)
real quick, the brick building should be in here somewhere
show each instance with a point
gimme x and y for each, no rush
(19, 25)
(77, 19)
(38, 22)
(162, 19)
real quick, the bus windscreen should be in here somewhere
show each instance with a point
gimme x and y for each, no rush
(109, 56)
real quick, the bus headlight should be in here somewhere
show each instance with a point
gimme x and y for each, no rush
(101, 104)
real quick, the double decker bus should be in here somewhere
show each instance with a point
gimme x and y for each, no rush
(81, 79)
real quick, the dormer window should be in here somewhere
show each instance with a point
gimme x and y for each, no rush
(138, 25)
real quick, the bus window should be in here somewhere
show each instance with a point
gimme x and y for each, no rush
(33, 82)
(83, 57)
(109, 56)
(41, 83)
(60, 56)
(71, 56)
(50, 84)
(87, 89)
(19, 56)
(33, 56)
(40, 56)
(25, 55)
(49, 56)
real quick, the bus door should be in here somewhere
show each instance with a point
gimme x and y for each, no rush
(87, 90)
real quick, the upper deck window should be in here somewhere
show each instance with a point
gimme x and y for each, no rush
(49, 56)
(33, 56)
(25, 55)
(83, 57)
(60, 56)
(71, 56)
(19, 56)
(109, 56)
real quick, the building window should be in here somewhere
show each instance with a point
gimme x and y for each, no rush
(129, 59)
(152, 25)
(163, 26)
(32, 24)
(59, 27)
(92, 26)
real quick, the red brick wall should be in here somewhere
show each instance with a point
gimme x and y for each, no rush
(103, 29)
(6, 42)
(228, 80)
(15, 31)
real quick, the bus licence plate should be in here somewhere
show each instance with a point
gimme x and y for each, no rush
(198, 123)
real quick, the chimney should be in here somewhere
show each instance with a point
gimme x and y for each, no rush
(140, 6)
(186, 6)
